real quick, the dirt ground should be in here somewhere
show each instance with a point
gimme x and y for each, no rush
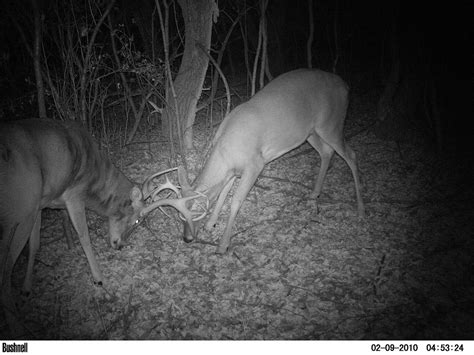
(296, 269)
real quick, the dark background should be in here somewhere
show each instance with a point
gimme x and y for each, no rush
(432, 41)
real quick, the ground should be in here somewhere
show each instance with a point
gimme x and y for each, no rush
(296, 269)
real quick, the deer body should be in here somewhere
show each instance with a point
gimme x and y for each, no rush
(301, 105)
(52, 164)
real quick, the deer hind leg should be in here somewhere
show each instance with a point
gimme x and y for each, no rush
(76, 210)
(351, 159)
(211, 222)
(247, 180)
(33, 246)
(346, 152)
(325, 152)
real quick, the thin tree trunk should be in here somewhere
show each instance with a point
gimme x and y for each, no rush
(198, 16)
(37, 60)
(246, 49)
(264, 61)
(257, 55)
(336, 39)
(309, 43)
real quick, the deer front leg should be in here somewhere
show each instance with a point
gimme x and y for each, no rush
(246, 182)
(33, 246)
(11, 244)
(77, 213)
(211, 222)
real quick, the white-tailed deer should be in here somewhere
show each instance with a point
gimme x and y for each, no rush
(301, 105)
(52, 164)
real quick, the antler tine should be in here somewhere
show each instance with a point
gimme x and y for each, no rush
(168, 185)
(145, 186)
(201, 216)
(179, 204)
(164, 212)
(195, 219)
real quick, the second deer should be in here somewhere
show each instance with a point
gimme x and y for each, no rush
(301, 105)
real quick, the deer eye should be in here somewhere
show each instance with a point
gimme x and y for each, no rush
(137, 221)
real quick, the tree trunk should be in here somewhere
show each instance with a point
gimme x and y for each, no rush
(143, 12)
(198, 16)
(309, 42)
(37, 60)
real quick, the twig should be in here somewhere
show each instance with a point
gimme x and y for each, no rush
(377, 276)
(219, 70)
(101, 318)
(285, 180)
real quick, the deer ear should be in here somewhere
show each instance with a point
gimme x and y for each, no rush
(183, 181)
(136, 194)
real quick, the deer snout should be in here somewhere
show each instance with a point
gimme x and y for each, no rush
(116, 243)
(117, 232)
(189, 233)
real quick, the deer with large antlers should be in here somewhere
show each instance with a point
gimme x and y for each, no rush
(301, 105)
(53, 164)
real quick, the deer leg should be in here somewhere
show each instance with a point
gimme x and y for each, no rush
(12, 243)
(325, 152)
(67, 227)
(350, 157)
(211, 222)
(247, 180)
(345, 151)
(33, 246)
(77, 213)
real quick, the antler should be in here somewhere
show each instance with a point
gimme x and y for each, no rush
(146, 184)
(180, 205)
(205, 209)
(168, 185)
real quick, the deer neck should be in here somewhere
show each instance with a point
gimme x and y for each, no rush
(213, 177)
(110, 195)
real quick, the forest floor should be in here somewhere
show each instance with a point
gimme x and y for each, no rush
(296, 269)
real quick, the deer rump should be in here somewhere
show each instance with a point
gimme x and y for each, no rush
(53, 164)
